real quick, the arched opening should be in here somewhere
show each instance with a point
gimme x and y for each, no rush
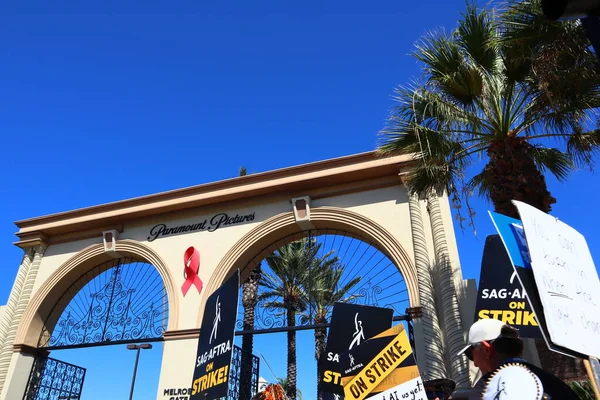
(360, 272)
(247, 251)
(88, 313)
(367, 275)
(52, 290)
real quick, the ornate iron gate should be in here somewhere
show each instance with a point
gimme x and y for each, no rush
(51, 379)
(119, 301)
(236, 379)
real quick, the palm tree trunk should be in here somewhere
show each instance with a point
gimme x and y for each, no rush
(249, 300)
(291, 354)
(320, 336)
(513, 175)
(566, 368)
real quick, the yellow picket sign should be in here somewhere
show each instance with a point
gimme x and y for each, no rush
(379, 368)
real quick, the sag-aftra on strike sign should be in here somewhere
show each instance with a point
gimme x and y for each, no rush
(215, 344)
(500, 294)
(382, 368)
(351, 325)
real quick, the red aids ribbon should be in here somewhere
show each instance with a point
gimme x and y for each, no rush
(191, 262)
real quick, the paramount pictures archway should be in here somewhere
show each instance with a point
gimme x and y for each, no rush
(233, 224)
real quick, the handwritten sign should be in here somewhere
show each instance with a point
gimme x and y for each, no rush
(410, 390)
(566, 279)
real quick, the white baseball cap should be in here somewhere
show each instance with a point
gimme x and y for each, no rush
(483, 330)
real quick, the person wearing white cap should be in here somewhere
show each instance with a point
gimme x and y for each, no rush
(493, 344)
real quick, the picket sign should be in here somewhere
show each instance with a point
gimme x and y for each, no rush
(566, 279)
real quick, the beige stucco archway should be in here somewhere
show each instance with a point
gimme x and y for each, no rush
(284, 224)
(361, 195)
(53, 288)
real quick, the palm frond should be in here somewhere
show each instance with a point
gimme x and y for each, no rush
(477, 36)
(479, 183)
(582, 146)
(431, 107)
(275, 305)
(346, 288)
(553, 160)
(269, 295)
(440, 55)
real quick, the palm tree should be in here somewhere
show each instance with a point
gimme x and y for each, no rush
(583, 389)
(563, 67)
(477, 101)
(497, 88)
(249, 301)
(292, 267)
(283, 382)
(323, 294)
(558, 54)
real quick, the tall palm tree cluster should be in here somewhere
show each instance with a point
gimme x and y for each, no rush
(508, 88)
(302, 284)
(504, 98)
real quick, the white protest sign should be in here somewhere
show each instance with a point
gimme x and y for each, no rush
(566, 279)
(412, 390)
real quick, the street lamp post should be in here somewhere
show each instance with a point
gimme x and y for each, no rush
(137, 347)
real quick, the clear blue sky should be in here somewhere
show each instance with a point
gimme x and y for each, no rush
(107, 100)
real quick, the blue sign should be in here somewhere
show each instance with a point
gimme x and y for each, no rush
(512, 234)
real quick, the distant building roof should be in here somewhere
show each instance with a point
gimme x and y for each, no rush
(262, 384)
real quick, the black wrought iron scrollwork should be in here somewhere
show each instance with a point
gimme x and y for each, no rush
(269, 317)
(374, 295)
(369, 294)
(237, 379)
(265, 317)
(51, 379)
(125, 302)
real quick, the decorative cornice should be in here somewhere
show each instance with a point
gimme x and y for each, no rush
(40, 249)
(328, 173)
(30, 350)
(182, 334)
(31, 240)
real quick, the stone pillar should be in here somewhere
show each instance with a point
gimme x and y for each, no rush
(179, 348)
(432, 355)
(21, 365)
(11, 307)
(451, 318)
(6, 353)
